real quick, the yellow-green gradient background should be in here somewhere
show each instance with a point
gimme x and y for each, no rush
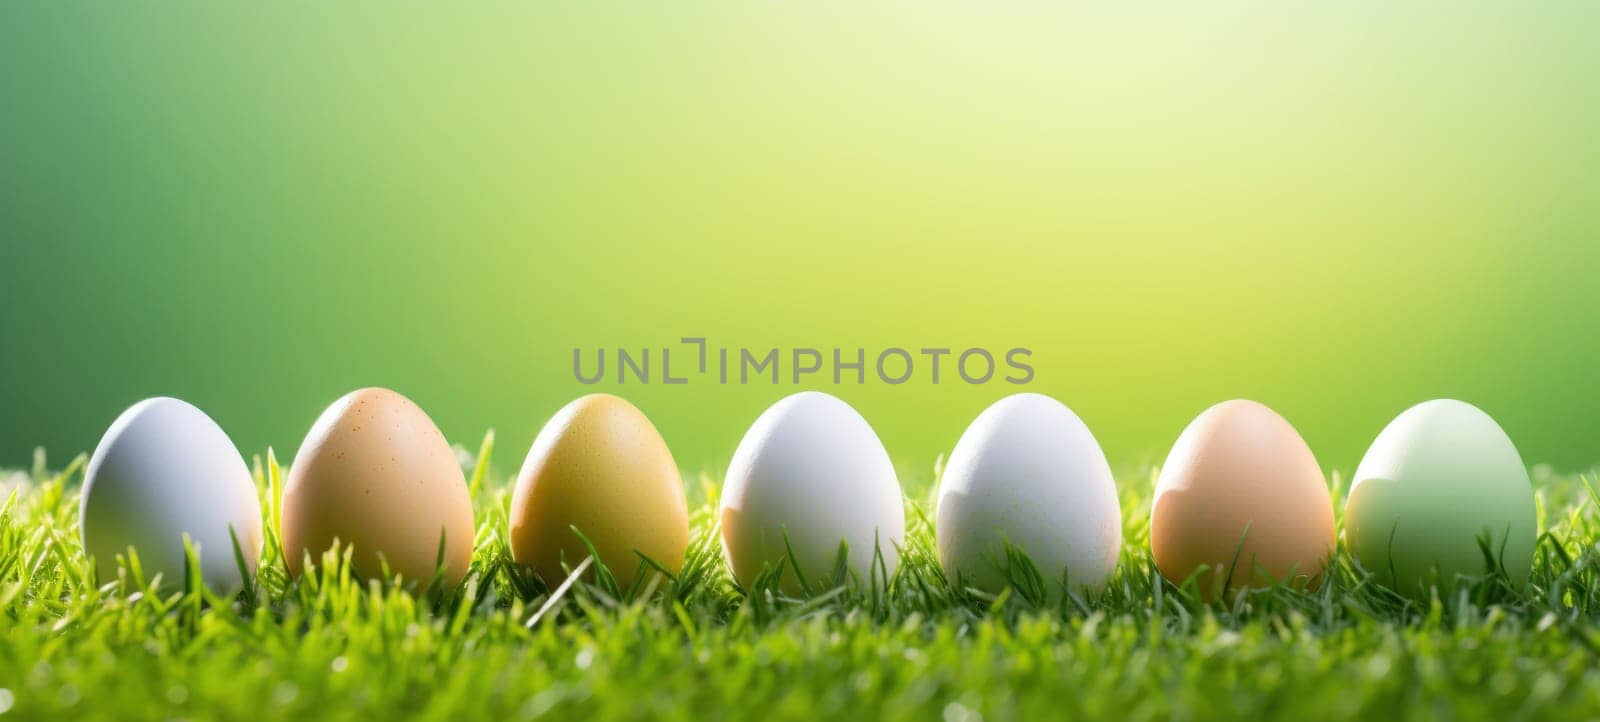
(1338, 209)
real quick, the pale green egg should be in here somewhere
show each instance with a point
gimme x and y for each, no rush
(1441, 484)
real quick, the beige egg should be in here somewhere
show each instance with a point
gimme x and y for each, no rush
(377, 474)
(601, 467)
(1242, 501)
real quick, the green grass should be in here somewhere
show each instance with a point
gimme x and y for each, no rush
(499, 648)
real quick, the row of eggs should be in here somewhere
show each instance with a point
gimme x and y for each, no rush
(1240, 500)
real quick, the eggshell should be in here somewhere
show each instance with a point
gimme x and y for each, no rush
(1241, 484)
(165, 469)
(599, 465)
(1029, 473)
(812, 467)
(1437, 477)
(375, 473)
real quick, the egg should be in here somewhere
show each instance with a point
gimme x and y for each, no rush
(1028, 473)
(1242, 501)
(601, 467)
(375, 473)
(165, 469)
(1438, 478)
(810, 468)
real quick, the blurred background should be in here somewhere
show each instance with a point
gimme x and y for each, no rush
(1336, 210)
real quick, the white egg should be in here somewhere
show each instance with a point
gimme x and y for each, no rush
(1029, 473)
(165, 469)
(812, 468)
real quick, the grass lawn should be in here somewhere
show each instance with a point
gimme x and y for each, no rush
(332, 647)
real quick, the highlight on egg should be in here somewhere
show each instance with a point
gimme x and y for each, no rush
(163, 470)
(1441, 496)
(377, 475)
(599, 467)
(1029, 474)
(1241, 502)
(809, 475)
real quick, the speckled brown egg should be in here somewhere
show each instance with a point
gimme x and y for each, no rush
(377, 474)
(601, 467)
(1241, 501)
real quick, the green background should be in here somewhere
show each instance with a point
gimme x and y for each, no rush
(1338, 210)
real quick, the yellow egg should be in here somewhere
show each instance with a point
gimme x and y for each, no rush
(601, 467)
(376, 474)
